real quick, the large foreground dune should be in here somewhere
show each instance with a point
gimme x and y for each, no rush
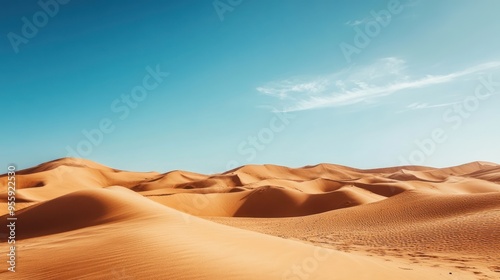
(77, 219)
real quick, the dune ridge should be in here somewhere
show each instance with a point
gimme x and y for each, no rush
(324, 221)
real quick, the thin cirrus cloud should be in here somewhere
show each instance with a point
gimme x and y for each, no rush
(376, 17)
(424, 106)
(356, 22)
(283, 89)
(421, 106)
(385, 77)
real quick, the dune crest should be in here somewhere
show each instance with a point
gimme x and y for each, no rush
(257, 222)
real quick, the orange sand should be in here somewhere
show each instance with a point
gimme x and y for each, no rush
(81, 220)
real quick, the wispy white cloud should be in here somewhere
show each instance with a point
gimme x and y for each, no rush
(284, 89)
(424, 106)
(420, 106)
(356, 22)
(361, 84)
(376, 17)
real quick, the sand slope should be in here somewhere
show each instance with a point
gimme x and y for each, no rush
(317, 222)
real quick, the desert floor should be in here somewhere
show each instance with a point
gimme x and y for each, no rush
(77, 219)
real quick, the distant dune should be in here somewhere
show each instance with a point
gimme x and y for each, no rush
(81, 220)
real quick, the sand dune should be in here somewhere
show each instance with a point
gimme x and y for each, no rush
(259, 222)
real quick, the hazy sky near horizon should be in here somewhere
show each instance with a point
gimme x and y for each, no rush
(208, 85)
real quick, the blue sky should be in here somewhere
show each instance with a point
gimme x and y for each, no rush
(209, 85)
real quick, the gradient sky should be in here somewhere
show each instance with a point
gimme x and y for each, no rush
(257, 82)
